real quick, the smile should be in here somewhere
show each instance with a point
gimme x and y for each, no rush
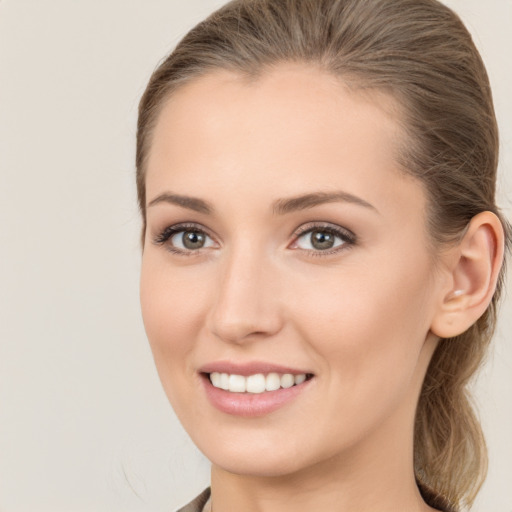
(257, 383)
(253, 389)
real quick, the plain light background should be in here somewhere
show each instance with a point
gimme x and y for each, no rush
(84, 424)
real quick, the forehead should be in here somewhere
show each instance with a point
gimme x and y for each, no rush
(298, 99)
(295, 127)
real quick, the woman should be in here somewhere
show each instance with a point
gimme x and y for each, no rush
(323, 254)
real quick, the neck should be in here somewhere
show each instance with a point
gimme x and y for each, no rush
(377, 477)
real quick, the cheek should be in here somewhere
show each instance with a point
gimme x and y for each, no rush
(370, 330)
(172, 303)
(358, 301)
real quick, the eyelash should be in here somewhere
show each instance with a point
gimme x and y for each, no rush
(348, 238)
(170, 231)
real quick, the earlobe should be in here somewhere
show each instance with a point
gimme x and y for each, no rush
(474, 266)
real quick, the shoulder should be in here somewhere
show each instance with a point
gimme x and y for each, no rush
(198, 504)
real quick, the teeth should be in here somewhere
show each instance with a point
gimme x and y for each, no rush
(237, 384)
(257, 383)
(272, 382)
(224, 381)
(216, 378)
(299, 379)
(287, 380)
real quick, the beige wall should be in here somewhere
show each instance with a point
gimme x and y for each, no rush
(84, 425)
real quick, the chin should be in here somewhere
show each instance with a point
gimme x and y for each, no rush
(267, 459)
(259, 467)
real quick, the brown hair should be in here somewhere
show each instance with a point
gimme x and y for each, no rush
(420, 53)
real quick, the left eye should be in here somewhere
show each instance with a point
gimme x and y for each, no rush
(322, 239)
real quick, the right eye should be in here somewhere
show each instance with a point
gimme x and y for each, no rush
(184, 239)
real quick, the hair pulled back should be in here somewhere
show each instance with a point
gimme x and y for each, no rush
(420, 53)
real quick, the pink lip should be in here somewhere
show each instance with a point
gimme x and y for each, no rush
(250, 404)
(250, 368)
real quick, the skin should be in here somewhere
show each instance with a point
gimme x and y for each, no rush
(358, 319)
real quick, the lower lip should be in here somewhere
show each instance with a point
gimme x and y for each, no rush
(251, 404)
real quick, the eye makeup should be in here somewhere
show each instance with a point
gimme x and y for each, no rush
(345, 237)
(165, 236)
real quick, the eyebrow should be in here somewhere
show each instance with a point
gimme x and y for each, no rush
(192, 203)
(279, 207)
(284, 206)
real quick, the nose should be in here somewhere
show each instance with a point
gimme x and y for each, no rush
(246, 303)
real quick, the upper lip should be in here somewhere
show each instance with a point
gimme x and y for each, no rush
(249, 368)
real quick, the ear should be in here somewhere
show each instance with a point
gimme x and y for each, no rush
(472, 271)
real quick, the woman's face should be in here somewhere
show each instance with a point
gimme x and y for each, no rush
(283, 242)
